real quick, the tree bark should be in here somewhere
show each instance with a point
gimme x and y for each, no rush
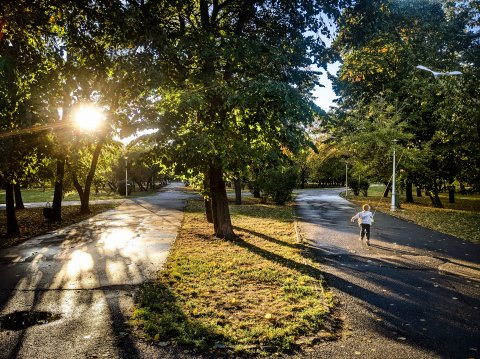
(451, 190)
(409, 191)
(238, 190)
(12, 224)
(387, 189)
(207, 197)
(433, 195)
(221, 214)
(419, 191)
(18, 197)
(84, 194)
(303, 177)
(58, 193)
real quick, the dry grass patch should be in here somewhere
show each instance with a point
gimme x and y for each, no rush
(255, 295)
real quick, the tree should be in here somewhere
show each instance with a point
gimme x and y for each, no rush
(231, 74)
(380, 43)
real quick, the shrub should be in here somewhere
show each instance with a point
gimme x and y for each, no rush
(277, 184)
(355, 186)
(364, 185)
(121, 187)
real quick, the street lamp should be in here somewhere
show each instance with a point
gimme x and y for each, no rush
(126, 176)
(393, 205)
(346, 179)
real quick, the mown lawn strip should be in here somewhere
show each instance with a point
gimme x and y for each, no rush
(255, 295)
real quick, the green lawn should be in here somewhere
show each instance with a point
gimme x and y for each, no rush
(40, 195)
(460, 219)
(257, 295)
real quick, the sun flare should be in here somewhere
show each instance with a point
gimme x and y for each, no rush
(88, 118)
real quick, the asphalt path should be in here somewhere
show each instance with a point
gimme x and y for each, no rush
(86, 275)
(414, 293)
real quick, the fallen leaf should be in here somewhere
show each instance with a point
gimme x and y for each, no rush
(268, 316)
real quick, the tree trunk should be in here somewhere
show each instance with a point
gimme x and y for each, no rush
(84, 194)
(221, 214)
(207, 197)
(18, 197)
(58, 193)
(419, 191)
(387, 189)
(409, 191)
(238, 190)
(451, 190)
(303, 178)
(438, 203)
(12, 224)
(433, 195)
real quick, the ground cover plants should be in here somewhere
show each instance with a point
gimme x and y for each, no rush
(255, 295)
(460, 219)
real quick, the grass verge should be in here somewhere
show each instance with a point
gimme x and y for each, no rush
(254, 296)
(32, 223)
(43, 196)
(460, 219)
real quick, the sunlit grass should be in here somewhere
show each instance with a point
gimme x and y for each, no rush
(256, 295)
(460, 219)
(39, 195)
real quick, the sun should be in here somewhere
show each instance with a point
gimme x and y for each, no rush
(88, 118)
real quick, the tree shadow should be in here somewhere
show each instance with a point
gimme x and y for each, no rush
(80, 272)
(401, 301)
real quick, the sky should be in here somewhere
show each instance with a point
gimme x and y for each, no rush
(325, 95)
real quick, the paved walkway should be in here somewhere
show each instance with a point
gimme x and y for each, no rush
(87, 274)
(415, 293)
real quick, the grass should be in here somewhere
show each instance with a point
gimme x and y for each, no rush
(40, 195)
(256, 295)
(32, 222)
(460, 219)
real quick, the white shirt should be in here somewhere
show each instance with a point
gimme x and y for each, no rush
(365, 217)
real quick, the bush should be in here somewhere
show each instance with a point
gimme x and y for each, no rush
(364, 185)
(355, 186)
(277, 184)
(121, 187)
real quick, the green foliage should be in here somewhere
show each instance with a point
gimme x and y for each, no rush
(355, 186)
(121, 187)
(277, 184)
(384, 97)
(364, 186)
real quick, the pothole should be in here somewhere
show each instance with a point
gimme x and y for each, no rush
(24, 319)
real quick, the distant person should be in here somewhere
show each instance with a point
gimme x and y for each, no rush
(365, 219)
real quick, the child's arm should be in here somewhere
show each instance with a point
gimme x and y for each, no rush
(354, 217)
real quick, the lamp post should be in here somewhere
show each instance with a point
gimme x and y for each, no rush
(346, 179)
(393, 205)
(126, 177)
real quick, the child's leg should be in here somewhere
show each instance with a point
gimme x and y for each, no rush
(367, 230)
(362, 231)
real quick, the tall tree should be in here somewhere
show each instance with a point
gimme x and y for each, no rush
(229, 75)
(380, 43)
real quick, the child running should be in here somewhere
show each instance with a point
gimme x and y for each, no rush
(365, 219)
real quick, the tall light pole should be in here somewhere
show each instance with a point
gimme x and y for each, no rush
(346, 179)
(393, 205)
(126, 177)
